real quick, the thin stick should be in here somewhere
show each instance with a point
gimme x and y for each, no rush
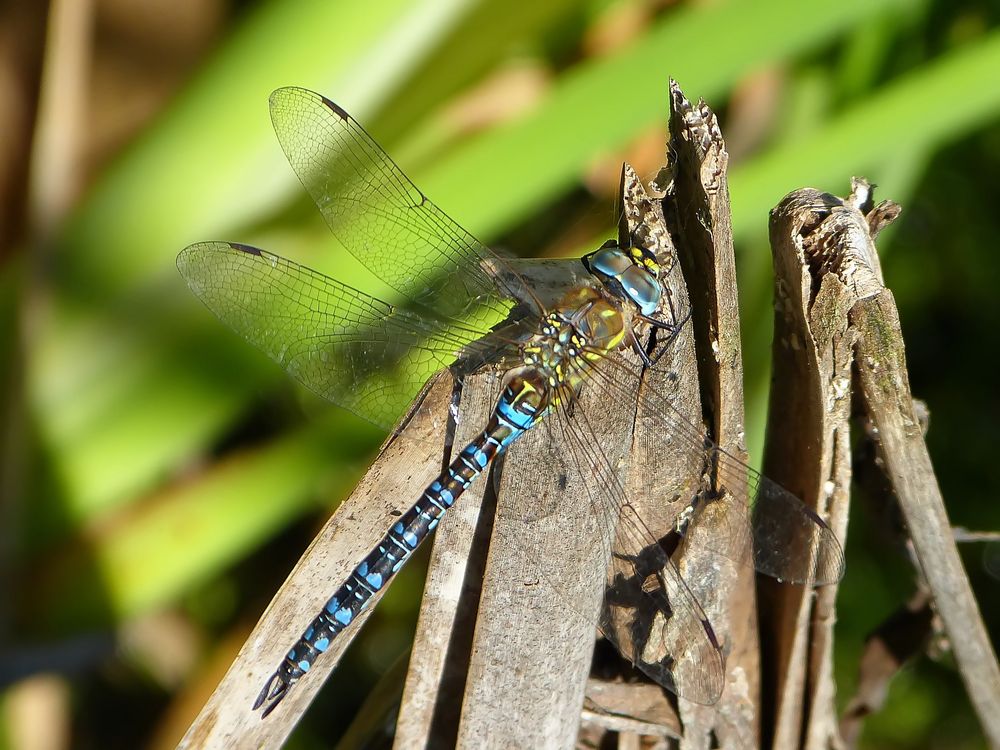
(881, 365)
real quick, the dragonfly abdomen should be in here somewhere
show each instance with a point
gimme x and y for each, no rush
(516, 412)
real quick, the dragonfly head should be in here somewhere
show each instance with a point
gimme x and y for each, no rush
(631, 275)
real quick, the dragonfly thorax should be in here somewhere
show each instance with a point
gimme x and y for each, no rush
(580, 331)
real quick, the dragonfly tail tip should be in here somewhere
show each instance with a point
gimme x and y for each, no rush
(271, 694)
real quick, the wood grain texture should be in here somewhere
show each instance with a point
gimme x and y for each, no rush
(836, 318)
(541, 593)
(699, 215)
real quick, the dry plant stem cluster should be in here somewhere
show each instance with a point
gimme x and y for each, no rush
(837, 326)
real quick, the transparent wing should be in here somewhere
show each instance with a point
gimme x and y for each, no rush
(649, 614)
(784, 538)
(384, 220)
(363, 354)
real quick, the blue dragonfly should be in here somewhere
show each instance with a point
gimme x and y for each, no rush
(464, 307)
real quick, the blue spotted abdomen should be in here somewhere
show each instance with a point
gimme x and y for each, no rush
(518, 409)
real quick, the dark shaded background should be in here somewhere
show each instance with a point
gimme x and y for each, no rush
(159, 478)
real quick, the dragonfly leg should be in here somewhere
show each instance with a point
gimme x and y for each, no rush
(639, 349)
(672, 329)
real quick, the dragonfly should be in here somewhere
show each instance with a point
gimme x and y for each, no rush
(465, 307)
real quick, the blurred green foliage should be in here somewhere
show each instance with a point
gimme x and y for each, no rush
(172, 467)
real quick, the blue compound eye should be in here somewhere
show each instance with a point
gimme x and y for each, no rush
(610, 261)
(642, 288)
(632, 281)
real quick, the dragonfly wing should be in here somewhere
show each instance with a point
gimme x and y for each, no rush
(551, 278)
(360, 353)
(763, 521)
(790, 541)
(649, 613)
(383, 219)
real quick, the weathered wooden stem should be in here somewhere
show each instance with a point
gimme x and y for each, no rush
(834, 312)
(698, 213)
(881, 366)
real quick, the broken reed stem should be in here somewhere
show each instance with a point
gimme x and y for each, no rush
(837, 237)
(808, 453)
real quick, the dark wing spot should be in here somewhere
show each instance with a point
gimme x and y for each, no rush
(336, 108)
(245, 248)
